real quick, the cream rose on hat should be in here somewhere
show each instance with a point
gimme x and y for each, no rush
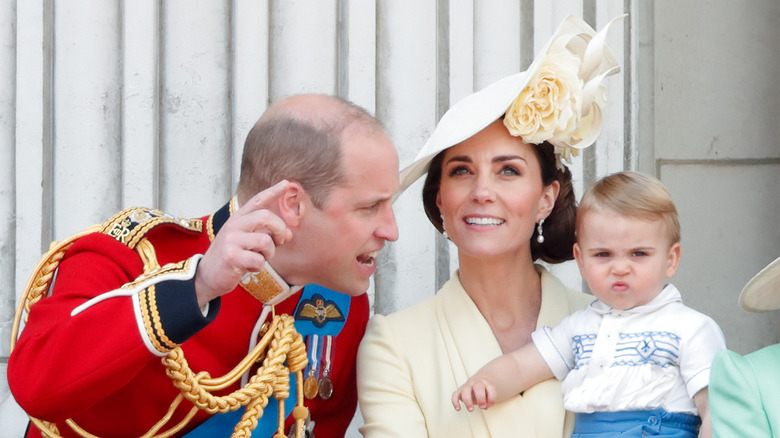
(558, 99)
(550, 104)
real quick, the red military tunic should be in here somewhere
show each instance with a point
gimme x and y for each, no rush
(101, 366)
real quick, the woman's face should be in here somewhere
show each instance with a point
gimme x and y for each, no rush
(491, 193)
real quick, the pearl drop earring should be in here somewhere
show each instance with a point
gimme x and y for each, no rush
(539, 232)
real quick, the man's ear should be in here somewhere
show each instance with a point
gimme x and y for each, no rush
(293, 204)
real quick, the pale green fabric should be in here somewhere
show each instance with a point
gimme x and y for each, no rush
(745, 394)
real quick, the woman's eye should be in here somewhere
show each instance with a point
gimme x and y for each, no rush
(458, 170)
(510, 170)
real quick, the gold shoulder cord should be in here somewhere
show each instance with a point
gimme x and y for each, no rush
(280, 342)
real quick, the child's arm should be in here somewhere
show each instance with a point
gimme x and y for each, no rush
(502, 378)
(702, 402)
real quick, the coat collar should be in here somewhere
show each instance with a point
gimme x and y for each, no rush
(267, 286)
(471, 343)
(218, 219)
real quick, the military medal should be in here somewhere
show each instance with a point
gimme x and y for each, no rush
(311, 386)
(326, 388)
(320, 315)
(325, 384)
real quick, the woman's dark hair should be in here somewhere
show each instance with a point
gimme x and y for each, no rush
(558, 226)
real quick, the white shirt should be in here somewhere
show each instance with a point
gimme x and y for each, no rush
(653, 356)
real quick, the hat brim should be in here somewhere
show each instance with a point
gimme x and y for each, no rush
(762, 292)
(465, 119)
(476, 111)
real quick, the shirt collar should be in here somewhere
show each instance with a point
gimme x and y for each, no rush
(669, 294)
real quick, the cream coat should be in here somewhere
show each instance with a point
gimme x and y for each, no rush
(410, 362)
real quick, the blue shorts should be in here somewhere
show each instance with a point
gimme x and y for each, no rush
(656, 422)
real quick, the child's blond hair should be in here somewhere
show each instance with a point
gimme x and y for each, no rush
(635, 195)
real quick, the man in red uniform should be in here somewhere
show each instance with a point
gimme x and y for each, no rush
(313, 206)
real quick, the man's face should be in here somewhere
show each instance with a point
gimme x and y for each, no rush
(357, 219)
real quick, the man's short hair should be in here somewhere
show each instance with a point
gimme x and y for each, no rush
(284, 146)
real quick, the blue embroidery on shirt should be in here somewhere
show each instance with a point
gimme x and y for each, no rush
(582, 346)
(655, 348)
(632, 349)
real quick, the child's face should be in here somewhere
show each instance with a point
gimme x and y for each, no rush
(625, 261)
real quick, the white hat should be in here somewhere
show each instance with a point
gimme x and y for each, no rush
(574, 61)
(762, 292)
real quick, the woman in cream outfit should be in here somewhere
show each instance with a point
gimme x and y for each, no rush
(498, 187)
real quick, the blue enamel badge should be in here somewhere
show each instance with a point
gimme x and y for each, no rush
(321, 311)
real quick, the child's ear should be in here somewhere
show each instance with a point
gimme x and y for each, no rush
(577, 254)
(673, 259)
(293, 204)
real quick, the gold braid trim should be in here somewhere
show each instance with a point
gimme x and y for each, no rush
(47, 429)
(148, 322)
(40, 280)
(281, 343)
(148, 255)
(167, 343)
(131, 225)
(147, 298)
(152, 322)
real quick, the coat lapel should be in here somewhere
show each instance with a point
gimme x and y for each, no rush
(468, 340)
(470, 344)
